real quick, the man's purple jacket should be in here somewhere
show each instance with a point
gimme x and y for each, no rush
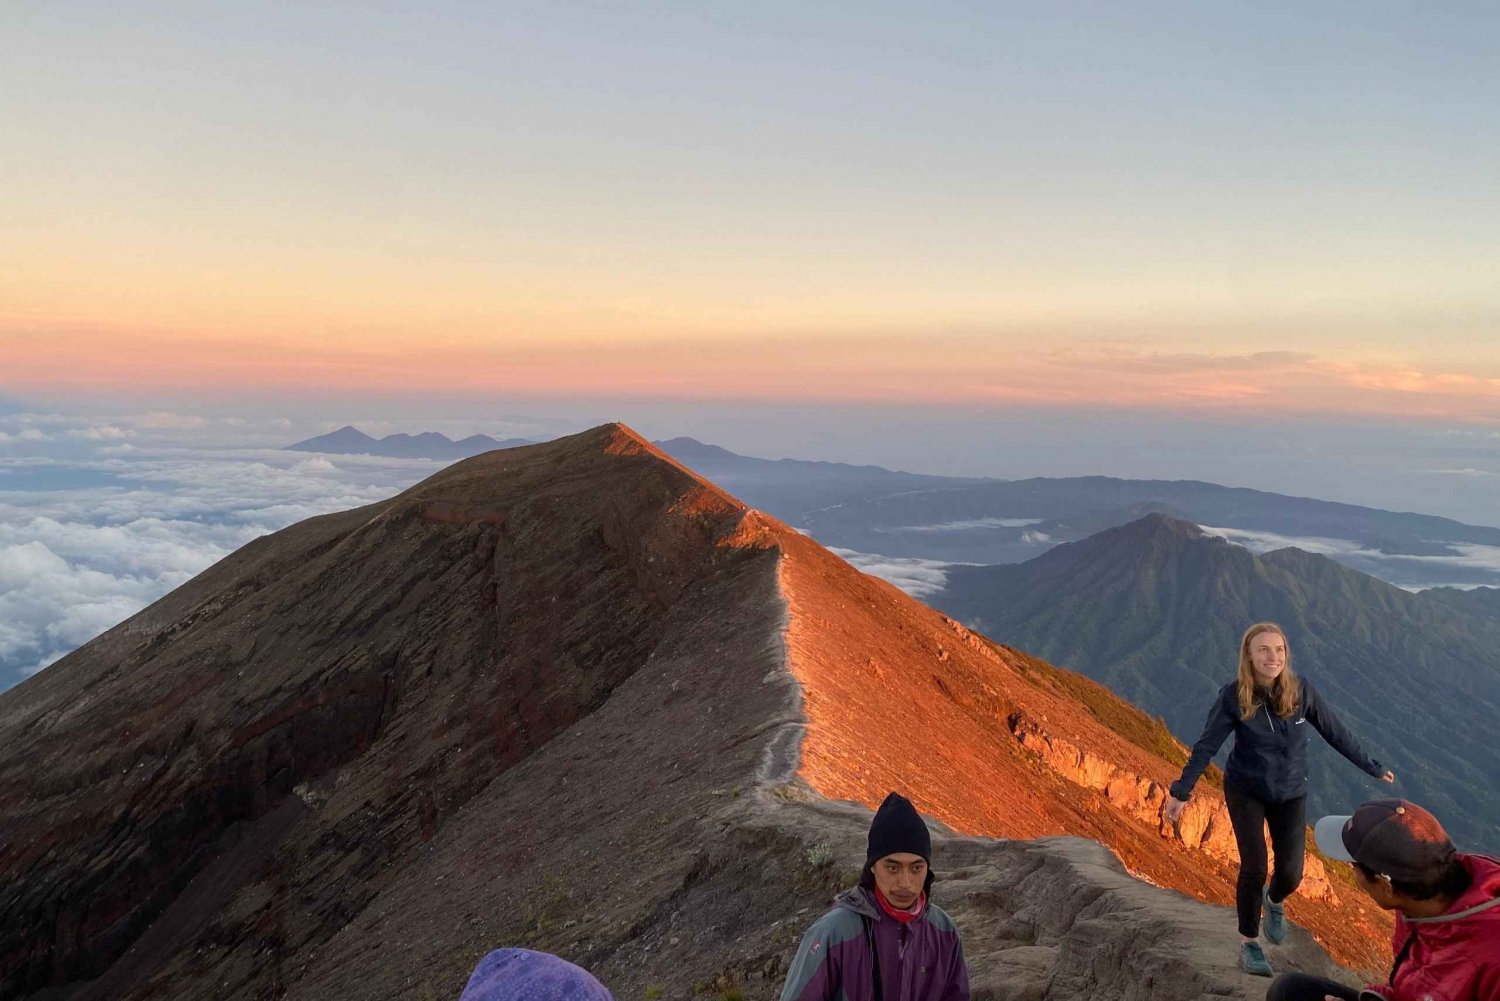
(523, 975)
(919, 961)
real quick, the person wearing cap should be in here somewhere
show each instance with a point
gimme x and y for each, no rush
(884, 940)
(525, 975)
(1447, 904)
(1270, 711)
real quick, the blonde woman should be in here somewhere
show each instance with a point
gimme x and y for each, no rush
(1268, 709)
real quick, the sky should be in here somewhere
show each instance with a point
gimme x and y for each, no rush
(1251, 244)
(1235, 212)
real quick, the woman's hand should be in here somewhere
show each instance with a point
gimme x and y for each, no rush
(1173, 808)
(1389, 777)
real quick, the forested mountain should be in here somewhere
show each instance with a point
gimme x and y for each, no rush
(1155, 610)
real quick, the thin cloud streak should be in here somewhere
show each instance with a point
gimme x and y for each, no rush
(949, 526)
(917, 368)
(1465, 555)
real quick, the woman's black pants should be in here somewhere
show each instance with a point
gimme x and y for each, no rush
(1303, 987)
(1250, 817)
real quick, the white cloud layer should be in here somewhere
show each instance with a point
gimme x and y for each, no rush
(917, 577)
(75, 561)
(1265, 542)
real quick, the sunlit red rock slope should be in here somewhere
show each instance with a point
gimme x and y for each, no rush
(994, 742)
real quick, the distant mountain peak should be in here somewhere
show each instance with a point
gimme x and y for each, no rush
(695, 449)
(1144, 534)
(1157, 523)
(349, 440)
(347, 433)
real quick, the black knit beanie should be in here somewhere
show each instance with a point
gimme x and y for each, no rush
(897, 827)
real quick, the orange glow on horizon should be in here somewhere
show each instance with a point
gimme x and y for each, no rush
(880, 368)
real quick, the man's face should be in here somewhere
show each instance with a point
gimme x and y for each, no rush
(1377, 888)
(900, 878)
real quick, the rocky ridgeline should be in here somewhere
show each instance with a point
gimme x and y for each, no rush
(1048, 919)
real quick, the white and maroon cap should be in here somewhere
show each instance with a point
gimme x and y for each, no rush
(1390, 837)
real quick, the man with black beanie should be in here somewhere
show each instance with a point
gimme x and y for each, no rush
(884, 940)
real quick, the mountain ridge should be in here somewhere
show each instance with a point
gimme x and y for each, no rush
(354, 754)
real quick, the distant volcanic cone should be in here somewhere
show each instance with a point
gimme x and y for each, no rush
(570, 696)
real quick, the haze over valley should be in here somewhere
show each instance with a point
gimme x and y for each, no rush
(101, 515)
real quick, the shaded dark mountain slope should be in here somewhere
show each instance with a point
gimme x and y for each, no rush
(1155, 610)
(438, 638)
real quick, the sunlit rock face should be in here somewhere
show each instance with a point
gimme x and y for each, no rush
(995, 742)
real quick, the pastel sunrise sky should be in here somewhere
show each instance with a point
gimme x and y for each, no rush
(1145, 206)
(1253, 244)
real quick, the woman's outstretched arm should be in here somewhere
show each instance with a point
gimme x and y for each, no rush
(1216, 728)
(1327, 723)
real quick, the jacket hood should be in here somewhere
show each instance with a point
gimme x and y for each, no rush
(1477, 911)
(857, 900)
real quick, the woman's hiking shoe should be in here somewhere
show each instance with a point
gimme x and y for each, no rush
(1253, 961)
(1275, 923)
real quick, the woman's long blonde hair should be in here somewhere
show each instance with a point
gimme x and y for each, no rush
(1284, 692)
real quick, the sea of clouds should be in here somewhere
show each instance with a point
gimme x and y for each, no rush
(101, 516)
